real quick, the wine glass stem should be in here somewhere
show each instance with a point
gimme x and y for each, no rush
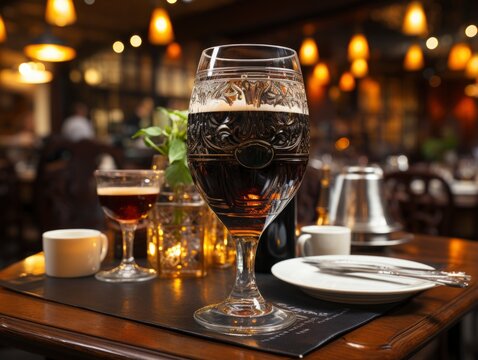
(245, 288)
(128, 240)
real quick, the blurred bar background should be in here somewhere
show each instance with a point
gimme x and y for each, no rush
(392, 83)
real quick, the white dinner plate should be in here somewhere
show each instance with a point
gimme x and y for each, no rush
(355, 288)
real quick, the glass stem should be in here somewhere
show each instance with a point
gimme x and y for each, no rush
(128, 240)
(245, 292)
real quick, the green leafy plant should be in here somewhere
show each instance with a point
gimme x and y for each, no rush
(170, 141)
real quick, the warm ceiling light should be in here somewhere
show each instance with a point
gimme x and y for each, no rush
(135, 41)
(118, 47)
(415, 21)
(413, 58)
(342, 144)
(347, 82)
(3, 30)
(60, 12)
(471, 69)
(358, 47)
(359, 68)
(93, 76)
(160, 28)
(172, 1)
(49, 48)
(432, 43)
(471, 31)
(321, 74)
(471, 90)
(50, 52)
(308, 52)
(459, 55)
(174, 51)
(34, 73)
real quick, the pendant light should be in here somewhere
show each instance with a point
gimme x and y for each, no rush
(347, 82)
(308, 52)
(160, 27)
(459, 55)
(3, 30)
(60, 12)
(413, 58)
(415, 21)
(174, 51)
(34, 73)
(358, 47)
(359, 68)
(49, 48)
(471, 69)
(321, 73)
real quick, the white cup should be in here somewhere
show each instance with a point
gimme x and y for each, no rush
(324, 240)
(74, 252)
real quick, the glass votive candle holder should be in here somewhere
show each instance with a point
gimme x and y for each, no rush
(176, 237)
(220, 249)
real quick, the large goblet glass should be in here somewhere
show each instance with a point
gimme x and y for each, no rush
(248, 145)
(127, 196)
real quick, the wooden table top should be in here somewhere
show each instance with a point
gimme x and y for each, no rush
(62, 331)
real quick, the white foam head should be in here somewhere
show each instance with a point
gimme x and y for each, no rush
(127, 190)
(218, 105)
(210, 95)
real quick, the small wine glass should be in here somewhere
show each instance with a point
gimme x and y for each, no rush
(127, 196)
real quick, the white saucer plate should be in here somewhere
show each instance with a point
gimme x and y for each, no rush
(381, 240)
(353, 288)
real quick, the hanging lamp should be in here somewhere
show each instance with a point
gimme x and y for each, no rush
(308, 52)
(34, 73)
(3, 30)
(174, 51)
(413, 58)
(459, 55)
(471, 69)
(415, 20)
(160, 27)
(347, 81)
(60, 12)
(358, 47)
(359, 68)
(49, 48)
(321, 73)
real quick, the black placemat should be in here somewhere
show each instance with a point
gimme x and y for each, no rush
(170, 304)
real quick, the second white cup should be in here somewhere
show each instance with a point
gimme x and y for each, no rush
(324, 240)
(74, 252)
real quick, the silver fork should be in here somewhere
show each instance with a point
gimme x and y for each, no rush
(454, 279)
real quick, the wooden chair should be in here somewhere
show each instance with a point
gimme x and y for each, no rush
(65, 188)
(421, 201)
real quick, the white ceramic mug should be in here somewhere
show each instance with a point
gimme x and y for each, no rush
(74, 252)
(324, 240)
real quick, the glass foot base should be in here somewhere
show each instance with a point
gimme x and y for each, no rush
(126, 273)
(215, 318)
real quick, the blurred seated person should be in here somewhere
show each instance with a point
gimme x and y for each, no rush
(77, 126)
(140, 118)
(65, 188)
